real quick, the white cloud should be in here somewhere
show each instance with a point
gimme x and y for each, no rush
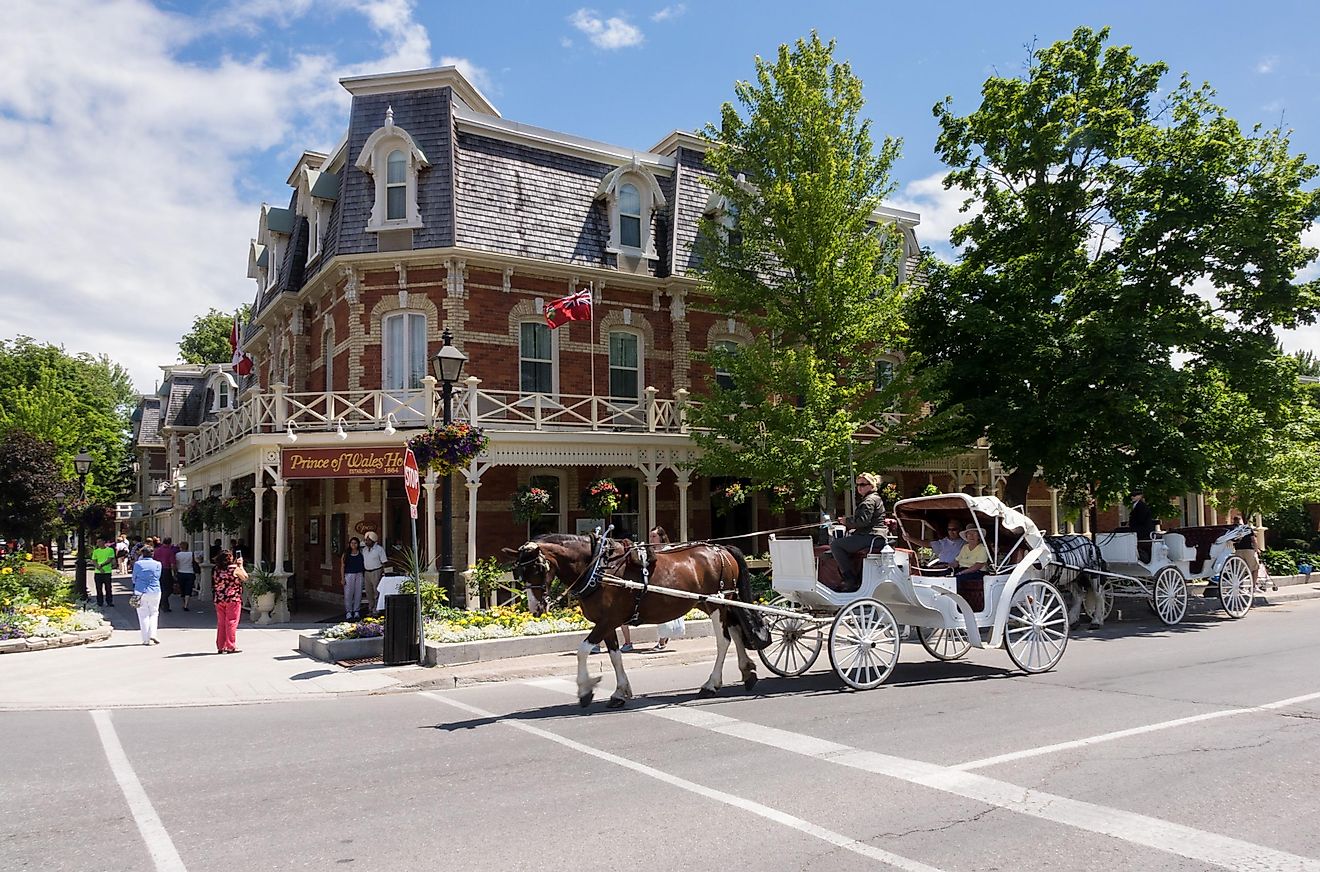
(1267, 64)
(669, 13)
(478, 76)
(128, 200)
(939, 209)
(607, 33)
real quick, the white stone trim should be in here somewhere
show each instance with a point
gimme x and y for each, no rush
(652, 198)
(373, 161)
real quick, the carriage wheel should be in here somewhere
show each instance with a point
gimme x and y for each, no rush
(1036, 630)
(1169, 596)
(1106, 600)
(795, 643)
(944, 644)
(864, 644)
(1236, 587)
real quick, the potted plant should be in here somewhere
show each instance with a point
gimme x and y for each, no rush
(264, 590)
(530, 503)
(450, 448)
(601, 499)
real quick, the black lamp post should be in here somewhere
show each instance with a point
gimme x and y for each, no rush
(448, 365)
(82, 464)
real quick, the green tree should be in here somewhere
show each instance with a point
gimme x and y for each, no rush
(73, 402)
(29, 486)
(1109, 321)
(799, 255)
(1307, 363)
(208, 340)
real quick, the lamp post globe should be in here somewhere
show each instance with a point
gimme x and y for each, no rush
(82, 464)
(448, 367)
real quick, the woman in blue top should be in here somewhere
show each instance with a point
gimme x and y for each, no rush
(146, 587)
(354, 567)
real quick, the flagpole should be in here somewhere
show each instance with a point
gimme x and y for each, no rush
(592, 309)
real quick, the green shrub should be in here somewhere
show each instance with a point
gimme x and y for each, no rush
(435, 599)
(1279, 562)
(262, 582)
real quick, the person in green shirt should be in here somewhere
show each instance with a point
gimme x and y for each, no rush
(103, 559)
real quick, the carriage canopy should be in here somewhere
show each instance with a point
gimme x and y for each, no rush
(925, 518)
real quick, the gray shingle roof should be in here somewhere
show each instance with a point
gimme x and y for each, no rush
(147, 418)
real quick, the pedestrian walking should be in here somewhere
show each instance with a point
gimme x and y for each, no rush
(669, 629)
(121, 553)
(164, 554)
(185, 570)
(373, 562)
(354, 568)
(227, 592)
(146, 592)
(103, 567)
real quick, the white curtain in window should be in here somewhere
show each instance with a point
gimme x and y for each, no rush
(625, 368)
(405, 351)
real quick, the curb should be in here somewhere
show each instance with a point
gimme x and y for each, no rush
(49, 643)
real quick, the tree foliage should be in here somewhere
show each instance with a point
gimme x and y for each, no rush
(208, 340)
(1110, 318)
(797, 254)
(30, 485)
(73, 402)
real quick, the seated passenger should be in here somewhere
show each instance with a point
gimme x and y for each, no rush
(947, 549)
(969, 569)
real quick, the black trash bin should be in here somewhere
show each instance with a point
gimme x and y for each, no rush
(400, 629)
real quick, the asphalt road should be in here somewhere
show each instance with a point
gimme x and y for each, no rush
(966, 766)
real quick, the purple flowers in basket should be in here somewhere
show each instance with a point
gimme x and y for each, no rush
(445, 449)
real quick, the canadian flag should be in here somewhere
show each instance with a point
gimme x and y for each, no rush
(242, 362)
(574, 307)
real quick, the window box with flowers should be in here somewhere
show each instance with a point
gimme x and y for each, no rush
(448, 449)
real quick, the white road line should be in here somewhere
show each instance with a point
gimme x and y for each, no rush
(1138, 829)
(772, 814)
(1133, 731)
(159, 843)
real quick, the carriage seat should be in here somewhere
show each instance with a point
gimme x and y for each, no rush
(1200, 540)
(828, 570)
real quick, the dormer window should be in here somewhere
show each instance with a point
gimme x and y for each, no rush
(632, 195)
(393, 160)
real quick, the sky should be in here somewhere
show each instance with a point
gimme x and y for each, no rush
(140, 138)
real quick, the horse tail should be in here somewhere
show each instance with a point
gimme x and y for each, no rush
(754, 632)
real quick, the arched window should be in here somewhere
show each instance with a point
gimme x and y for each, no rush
(328, 359)
(625, 366)
(721, 349)
(396, 186)
(404, 348)
(630, 216)
(536, 359)
(223, 398)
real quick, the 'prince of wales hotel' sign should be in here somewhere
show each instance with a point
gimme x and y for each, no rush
(341, 462)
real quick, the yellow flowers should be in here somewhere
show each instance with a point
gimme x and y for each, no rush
(6, 570)
(27, 556)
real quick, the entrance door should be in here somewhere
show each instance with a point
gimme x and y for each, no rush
(404, 348)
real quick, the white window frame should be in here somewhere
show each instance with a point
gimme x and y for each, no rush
(561, 513)
(374, 161)
(554, 359)
(648, 190)
(328, 357)
(714, 347)
(641, 362)
(224, 392)
(402, 314)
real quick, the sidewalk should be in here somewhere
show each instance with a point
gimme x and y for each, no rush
(184, 669)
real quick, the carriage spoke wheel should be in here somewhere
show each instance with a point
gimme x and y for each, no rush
(864, 644)
(1106, 600)
(944, 644)
(1236, 587)
(1169, 596)
(795, 643)
(1036, 631)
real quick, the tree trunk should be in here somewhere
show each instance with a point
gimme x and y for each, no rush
(1015, 486)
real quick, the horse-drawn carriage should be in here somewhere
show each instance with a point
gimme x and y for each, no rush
(1186, 555)
(1017, 604)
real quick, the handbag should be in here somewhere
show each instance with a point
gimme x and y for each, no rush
(135, 600)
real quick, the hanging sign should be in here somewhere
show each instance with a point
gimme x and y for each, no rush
(368, 462)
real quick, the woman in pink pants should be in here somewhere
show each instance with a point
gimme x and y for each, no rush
(227, 585)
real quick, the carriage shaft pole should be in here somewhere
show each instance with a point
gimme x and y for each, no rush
(710, 599)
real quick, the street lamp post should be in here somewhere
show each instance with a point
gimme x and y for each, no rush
(448, 365)
(82, 464)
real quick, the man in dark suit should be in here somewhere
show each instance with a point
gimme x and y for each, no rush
(1142, 522)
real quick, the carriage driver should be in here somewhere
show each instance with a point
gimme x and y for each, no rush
(867, 523)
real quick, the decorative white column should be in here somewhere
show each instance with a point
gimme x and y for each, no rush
(432, 558)
(652, 484)
(281, 613)
(1054, 510)
(684, 482)
(1086, 520)
(257, 493)
(473, 485)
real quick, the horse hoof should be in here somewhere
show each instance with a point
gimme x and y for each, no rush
(585, 699)
(617, 702)
(1094, 625)
(749, 681)
(706, 693)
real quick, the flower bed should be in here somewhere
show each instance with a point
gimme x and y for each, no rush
(28, 622)
(367, 628)
(501, 622)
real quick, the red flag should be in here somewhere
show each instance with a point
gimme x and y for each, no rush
(242, 362)
(574, 307)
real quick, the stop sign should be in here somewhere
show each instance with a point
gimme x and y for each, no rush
(412, 482)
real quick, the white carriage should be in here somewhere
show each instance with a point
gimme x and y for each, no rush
(1016, 605)
(1187, 555)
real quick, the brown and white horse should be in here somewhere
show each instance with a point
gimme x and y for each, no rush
(698, 568)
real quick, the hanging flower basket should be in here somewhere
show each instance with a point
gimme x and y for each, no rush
(730, 498)
(601, 499)
(447, 449)
(194, 520)
(780, 497)
(889, 493)
(530, 503)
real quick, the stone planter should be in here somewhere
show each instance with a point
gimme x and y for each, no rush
(262, 607)
(65, 640)
(334, 650)
(454, 653)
